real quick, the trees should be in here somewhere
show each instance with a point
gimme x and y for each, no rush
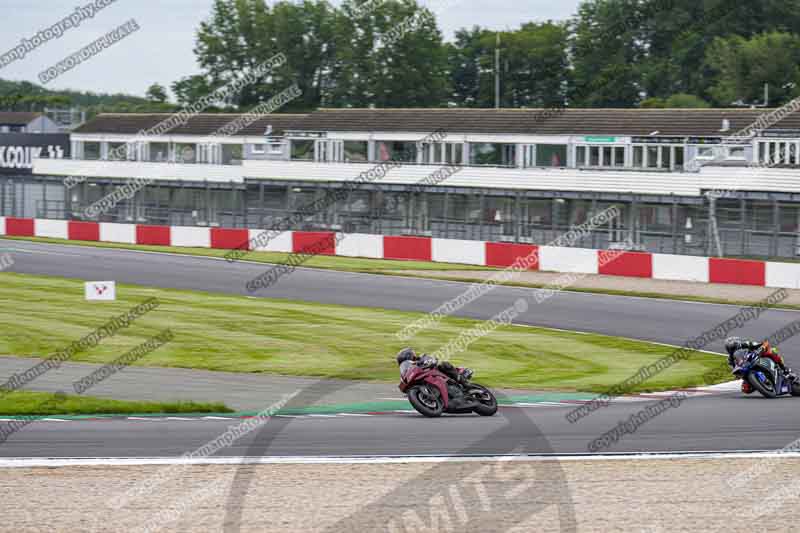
(389, 54)
(156, 93)
(534, 66)
(678, 36)
(606, 49)
(742, 66)
(465, 58)
(241, 35)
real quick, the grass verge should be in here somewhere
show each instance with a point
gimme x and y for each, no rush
(40, 314)
(21, 403)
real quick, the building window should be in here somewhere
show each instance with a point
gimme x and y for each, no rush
(619, 156)
(736, 153)
(454, 153)
(600, 156)
(117, 152)
(356, 151)
(259, 149)
(159, 152)
(493, 154)
(666, 157)
(302, 150)
(396, 150)
(432, 153)
(594, 156)
(275, 148)
(652, 156)
(551, 155)
(185, 153)
(679, 157)
(705, 152)
(638, 156)
(91, 150)
(231, 154)
(580, 156)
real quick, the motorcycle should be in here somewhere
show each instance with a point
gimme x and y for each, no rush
(763, 374)
(431, 392)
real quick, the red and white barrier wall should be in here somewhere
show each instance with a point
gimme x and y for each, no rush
(548, 258)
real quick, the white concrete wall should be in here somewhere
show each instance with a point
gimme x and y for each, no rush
(458, 251)
(192, 237)
(786, 275)
(125, 233)
(680, 267)
(138, 169)
(2, 225)
(360, 245)
(54, 229)
(280, 243)
(576, 260)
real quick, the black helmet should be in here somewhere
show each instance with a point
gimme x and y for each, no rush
(734, 343)
(406, 354)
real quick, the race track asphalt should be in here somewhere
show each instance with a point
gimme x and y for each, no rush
(716, 423)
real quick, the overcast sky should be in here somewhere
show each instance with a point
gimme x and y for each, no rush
(161, 51)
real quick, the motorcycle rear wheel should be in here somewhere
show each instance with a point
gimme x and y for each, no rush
(426, 401)
(766, 392)
(487, 405)
(796, 388)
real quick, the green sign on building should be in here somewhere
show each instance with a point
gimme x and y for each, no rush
(600, 139)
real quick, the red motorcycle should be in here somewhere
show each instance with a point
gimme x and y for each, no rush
(432, 392)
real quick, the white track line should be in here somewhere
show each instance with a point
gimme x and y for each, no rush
(156, 461)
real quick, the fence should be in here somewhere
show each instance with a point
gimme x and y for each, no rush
(759, 228)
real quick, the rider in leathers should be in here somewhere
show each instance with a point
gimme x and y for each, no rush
(732, 344)
(460, 375)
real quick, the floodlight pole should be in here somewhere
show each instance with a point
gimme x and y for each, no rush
(497, 73)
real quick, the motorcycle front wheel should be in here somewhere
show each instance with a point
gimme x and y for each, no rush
(426, 401)
(487, 405)
(767, 388)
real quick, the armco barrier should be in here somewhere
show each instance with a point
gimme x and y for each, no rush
(154, 235)
(503, 254)
(680, 267)
(783, 275)
(281, 242)
(576, 260)
(737, 271)
(228, 239)
(573, 260)
(124, 233)
(84, 231)
(190, 236)
(20, 227)
(360, 245)
(458, 251)
(52, 229)
(316, 242)
(628, 264)
(407, 248)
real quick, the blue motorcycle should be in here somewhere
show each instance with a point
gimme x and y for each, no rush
(763, 374)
